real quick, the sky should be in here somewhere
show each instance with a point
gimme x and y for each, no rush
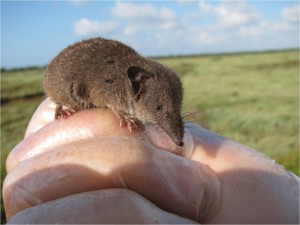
(34, 32)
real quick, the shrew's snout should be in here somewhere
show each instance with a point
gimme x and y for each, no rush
(178, 142)
(174, 129)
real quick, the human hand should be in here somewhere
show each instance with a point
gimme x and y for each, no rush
(88, 154)
(179, 185)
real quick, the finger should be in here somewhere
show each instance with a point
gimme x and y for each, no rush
(175, 184)
(223, 154)
(111, 206)
(46, 111)
(82, 125)
(255, 189)
(161, 140)
(43, 115)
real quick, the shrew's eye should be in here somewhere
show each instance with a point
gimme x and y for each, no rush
(159, 107)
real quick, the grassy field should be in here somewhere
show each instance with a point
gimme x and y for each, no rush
(252, 98)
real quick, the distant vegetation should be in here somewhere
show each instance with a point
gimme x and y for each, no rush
(252, 98)
(23, 68)
(224, 53)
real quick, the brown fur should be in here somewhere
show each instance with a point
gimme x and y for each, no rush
(108, 74)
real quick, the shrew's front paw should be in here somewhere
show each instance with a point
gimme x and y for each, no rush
(63, 112)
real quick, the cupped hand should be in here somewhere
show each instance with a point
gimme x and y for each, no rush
(86, 169)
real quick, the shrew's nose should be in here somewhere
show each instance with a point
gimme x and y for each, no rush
(179, 143)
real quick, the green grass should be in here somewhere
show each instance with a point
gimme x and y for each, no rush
(18, 89)
(251, 98)
(21, 83)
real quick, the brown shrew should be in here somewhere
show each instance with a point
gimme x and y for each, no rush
(102, 73)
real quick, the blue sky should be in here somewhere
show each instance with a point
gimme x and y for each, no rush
(33, 32)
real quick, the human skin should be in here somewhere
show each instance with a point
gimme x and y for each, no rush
(102, 173)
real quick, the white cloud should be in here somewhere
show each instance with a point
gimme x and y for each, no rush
(78, 2)
(283, 27)
(248, 30)
(85, 27)
(291, 14)
(287, 26)
(201, 37)
(185, 2)
(253, 32)
(144, 17)
(169, 25)
(141, 12)
(130, 30)
(140, 28)
(231, 14)
(155, 30)
(263, 30)
(190, 16)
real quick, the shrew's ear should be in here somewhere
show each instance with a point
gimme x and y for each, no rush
(137, 77)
